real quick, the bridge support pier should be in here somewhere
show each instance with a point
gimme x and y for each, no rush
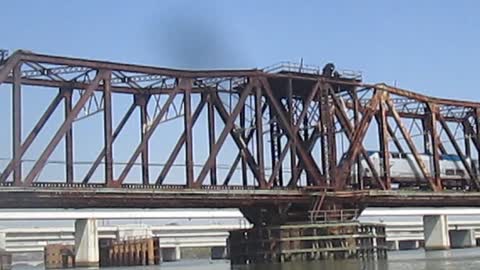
(462, 238)
(171, 254)
(86, 243)
(293, 242)
(3, 240)
(435, 230)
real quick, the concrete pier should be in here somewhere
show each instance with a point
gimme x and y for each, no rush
(86, 243)
(171, 254)
(132, 252)
(462, 238)
(435, 230)
(3, 240)
(306, 242)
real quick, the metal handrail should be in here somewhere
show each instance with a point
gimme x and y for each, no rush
(341, 215)
(286, 66)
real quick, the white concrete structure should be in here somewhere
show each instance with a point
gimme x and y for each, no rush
(86, 243)
(423, 211)
(407, 234)
(3, 240)
(462, 238)
(74, 214)
(126, 232)
(435, 231)
(34, 239)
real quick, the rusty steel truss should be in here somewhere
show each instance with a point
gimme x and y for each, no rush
(291, 127)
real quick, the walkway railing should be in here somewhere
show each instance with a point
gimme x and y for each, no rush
(327, 216)
(286, 66)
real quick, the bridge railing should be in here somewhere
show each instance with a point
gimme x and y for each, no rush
(286, 66)
(326, 216)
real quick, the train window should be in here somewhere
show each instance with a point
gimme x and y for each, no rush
(460, 172)
(450, 172)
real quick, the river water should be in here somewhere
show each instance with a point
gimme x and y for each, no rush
(456, 259)
(397, 260)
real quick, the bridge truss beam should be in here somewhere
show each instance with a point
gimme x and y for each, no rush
(316, 131)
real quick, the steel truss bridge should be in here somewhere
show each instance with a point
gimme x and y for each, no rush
(289, 136)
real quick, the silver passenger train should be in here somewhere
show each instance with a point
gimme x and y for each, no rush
(404, 168)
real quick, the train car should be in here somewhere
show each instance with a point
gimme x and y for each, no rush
(405, 171)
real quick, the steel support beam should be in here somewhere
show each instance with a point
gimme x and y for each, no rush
(17, 122)
(459, 152)
(412, 147)
(108, 136)
(296, 128)
(432, 129)
(211, 138)
(10, 64)
(229, 124)
(307, 159)
(383, 142)
(67, 96)
(182, 84)
(240, 155)
(178, 146)
(187, 117)
(259, 134)
(40, 163)
(343, 168)
(145, 126)
(295, 174)
(103, 153)
(31, 136)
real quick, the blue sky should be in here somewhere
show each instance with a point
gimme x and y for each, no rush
(430, 46)
(427, 46)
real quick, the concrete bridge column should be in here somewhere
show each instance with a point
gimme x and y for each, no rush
(171, 254)
(86, 243)
(462, 238)
(435, 230)
(3, 240)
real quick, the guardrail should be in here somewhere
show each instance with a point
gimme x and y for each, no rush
(286, 66)
(341, 215)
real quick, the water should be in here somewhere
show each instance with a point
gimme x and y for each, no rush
(397, 260)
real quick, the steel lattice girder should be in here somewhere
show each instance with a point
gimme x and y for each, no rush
(298, 110)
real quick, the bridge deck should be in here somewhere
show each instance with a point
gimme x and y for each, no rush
(65, 197)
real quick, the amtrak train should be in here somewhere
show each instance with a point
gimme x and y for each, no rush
(404, 168)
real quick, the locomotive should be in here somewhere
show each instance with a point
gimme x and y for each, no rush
(404, 170)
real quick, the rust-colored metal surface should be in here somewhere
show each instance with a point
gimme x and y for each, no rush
(290, 128)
